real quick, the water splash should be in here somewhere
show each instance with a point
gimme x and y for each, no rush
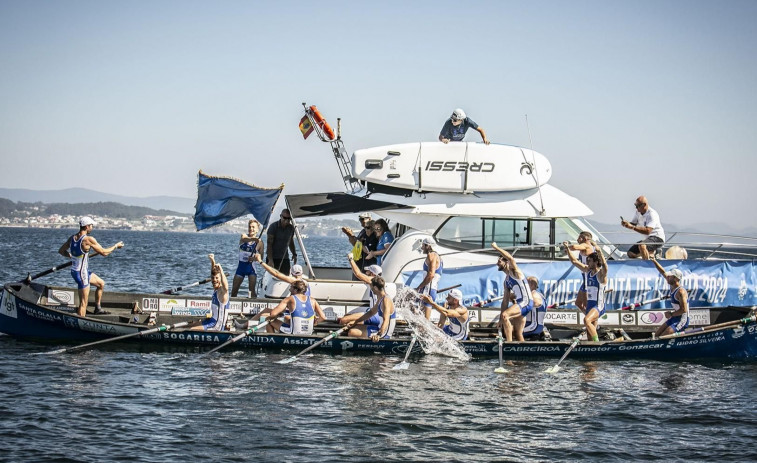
(432, 339)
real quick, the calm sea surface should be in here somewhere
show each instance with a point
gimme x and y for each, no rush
(145, 404)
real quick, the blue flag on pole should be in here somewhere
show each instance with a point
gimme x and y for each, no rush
(220, 199)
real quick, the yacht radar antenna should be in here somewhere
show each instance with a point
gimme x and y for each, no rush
(534, 171)
(326, 134)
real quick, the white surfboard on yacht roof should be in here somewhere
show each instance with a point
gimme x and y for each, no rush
(456, 167)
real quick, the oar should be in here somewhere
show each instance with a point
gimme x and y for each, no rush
(30, 277)
(575, 342)
(487, 301)
(571, 301)
(648, 301)
(328, 337)
(711, 327)
(180, 288)
(500, 369)
(118, 338)
(238, 337)
(448, 288)
(404, 364)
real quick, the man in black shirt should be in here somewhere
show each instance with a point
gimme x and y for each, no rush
(280, 237)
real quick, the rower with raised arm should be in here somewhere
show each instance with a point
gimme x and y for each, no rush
(378, 322)
(534, 326)
(678, 318)
(77, 249)
(512, 316)
(453, 311)
(249, 244)
(301, 312)
(596, 281)
(220, 302)
(433, 267)
(584, 251)
(296, 275)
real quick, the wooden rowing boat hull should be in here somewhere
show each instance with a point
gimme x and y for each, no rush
(26, 319)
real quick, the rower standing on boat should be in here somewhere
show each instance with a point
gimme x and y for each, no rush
(281, 242)
(457, 125)
(584, 251)
(385, 239)
(453, 311)
(596, 280)
(433, 268)
(511, 317)
(220, 302)
(77, 249)
(365, 241)
(249, 244)
(301, 312)
(647, 222)
(378, 322)
(678, 318)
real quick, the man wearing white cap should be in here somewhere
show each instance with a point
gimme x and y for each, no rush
(366, 277)
(453, 312)
(678, 318)
(433, 268)
(365, 241)
(77, 249)
(456, 126)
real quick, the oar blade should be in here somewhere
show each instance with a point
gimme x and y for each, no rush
(401, 366)
(287, 360)
(51, 352)
(552, 370)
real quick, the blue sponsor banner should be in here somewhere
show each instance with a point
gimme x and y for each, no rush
(709, 283)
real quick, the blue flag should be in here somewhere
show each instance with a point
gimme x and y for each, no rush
(220, 199)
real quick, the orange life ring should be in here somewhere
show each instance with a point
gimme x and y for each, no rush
(321, 121)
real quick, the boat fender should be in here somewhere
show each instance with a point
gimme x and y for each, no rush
(321, 121)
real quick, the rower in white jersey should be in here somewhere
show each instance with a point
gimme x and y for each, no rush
(379, 321)
(512, 316)
(678, 318)
(366, 277)
(301, 312)
(584, 250)
(220, 302)
(596, 281)
(453, 312)
(433, 267)
(77, 249)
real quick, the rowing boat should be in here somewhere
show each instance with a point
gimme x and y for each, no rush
(28, 313)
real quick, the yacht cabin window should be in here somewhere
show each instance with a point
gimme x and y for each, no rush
(534, 238)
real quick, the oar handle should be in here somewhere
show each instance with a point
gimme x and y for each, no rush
(639, 304)
(448, 288)
(196, 283)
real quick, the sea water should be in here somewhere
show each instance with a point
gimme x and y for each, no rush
(142, 403)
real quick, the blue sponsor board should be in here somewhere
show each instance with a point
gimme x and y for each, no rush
(709, 283)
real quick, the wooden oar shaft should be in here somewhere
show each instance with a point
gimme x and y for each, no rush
(328, 337)
(648, 301)
(712, 327)
(121, 337)
(240, 336)
(570, 349)
(196, 283)
(448, 288)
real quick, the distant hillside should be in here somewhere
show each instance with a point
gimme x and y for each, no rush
(83, 195)
(9, 209)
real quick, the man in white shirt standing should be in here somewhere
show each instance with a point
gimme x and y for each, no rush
(647, 222)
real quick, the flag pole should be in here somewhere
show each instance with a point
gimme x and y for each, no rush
(299, 240)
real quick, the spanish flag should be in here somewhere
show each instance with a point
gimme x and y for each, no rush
(306, 127)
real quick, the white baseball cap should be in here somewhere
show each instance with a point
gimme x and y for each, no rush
(86, 220)
(458, 115)
(456, 294)
(675, 273)
(296, 269)
(427, 241)
(365, 215)
(374, 269)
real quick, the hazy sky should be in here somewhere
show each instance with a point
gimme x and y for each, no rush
(624, 98)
